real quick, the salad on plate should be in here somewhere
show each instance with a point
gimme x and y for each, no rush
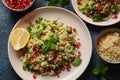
(99, 10)
(51, 47)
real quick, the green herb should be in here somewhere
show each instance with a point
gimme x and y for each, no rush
(78, 0)
(53, 3)
(50, 44)
(54, 38)
(74, 42)
(40, 19)
(101, 71)
(26, 64)
(76, 62)
(38, 33)
(102, 78)
(53, 46)
(64, 2)
(68, 29)
(29, 28)
(61, 2)
(104, 70)
(97, 17)
(46, 47)
(115, 7)
(96, 71)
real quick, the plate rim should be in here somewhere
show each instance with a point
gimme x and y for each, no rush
(93, 23)
(52, 7)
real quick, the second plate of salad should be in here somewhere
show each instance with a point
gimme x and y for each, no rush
(98, 12)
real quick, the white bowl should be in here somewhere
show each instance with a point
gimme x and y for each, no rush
(68, 18)
(18, 10)
(89, 20)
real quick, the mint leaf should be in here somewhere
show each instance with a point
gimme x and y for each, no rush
(53, 3)
(68, 29)
(61, 2)
(104, 70)
(40, 19)
(97, 17)
(53, 46)
(76, 62)
(96, 70)
(101, 72)
(102, 78)
(46, 47)
(54, 38)
(29, 28)
(38, 33)
(64, 2)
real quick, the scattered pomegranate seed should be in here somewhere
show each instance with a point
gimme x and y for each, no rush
(74, 29)
(99, 8)
(115, 17)
(53, 30)
(78, 44)
(70, 30)
(79, 54)
(30, 23)
(36, 21)
(68, 67)
(35, 47)
(34, 76)
(57, 72)
(35, 63)
(43, 34)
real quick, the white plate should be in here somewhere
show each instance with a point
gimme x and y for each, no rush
(89, 20)
(68, 18)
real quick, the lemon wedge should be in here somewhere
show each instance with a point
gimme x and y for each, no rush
(19, 38)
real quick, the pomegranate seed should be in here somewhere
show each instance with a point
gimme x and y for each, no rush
(74, 29)
(78, 44)
(53, 30)
(34, 76)
(70, 30)
(43, 34)
(79, 54)
(99, 8)
(115, 17)
(36, 21)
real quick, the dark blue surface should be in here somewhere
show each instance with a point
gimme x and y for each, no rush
(9, 18)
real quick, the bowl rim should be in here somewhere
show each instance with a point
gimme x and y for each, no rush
(18, 10)
(100, 35)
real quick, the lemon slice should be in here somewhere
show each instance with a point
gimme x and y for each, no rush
(19, 38)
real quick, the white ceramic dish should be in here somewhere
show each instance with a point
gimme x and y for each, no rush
(89, 20)
(18, 10)
(68, 18)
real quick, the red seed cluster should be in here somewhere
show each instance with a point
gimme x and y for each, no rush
(18, 4)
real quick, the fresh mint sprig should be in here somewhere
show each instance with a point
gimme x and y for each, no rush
(101, 71)
(61, 2)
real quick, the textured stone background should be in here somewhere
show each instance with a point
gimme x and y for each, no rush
(9, 18)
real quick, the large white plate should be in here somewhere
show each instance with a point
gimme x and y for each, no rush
(68, 18)
(89, 20)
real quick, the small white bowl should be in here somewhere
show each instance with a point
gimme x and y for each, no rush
(18, 10)
(101, 35)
